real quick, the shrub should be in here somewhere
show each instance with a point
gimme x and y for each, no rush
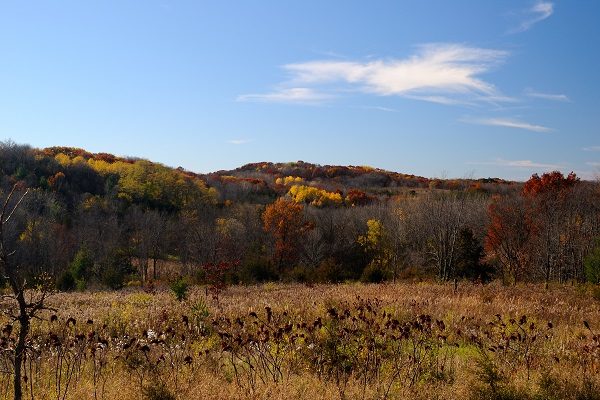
(66, 282)
(412, 273)
(596, 293)
(469, 258)
(302, 274)
(329, 271)
(200, 317)
(78, 273)
(180, 288)
(80, 285)
(257, 269)
(112, 278)
(552, 388)
(592, 265)
(158, 392)
(492, 384)
(589, 391)
(375, 273)
(81, 266)
(116, 271)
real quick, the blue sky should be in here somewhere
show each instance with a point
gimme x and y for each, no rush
(434, 88)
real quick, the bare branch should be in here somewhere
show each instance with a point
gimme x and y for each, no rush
(15, 206)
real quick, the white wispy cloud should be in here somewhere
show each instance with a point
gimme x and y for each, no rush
(591, 148)
(328, 53)
(441, 73)
(239, 141)
(595, 164)
(547, 96)
(529, 164)
(443, 67)
(536, 13)
(526, 164)
(380, 108)
(588, 175)
(507, 123)
(448, 101)
(290, 95)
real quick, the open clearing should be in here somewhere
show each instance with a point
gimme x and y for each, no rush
(282, 341)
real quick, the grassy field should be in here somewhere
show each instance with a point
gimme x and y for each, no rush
(352, 341)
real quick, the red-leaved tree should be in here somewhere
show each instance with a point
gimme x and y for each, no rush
(508, 236)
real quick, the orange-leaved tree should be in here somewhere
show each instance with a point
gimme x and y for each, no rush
(553, 183)
(284, 220)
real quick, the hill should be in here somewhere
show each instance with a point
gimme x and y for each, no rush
(98, 219)
(72, 172)
(264, 181)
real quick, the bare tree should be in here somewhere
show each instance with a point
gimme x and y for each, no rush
(197, 237)
(313, 248)
(28, 302)
(148, 239)
(442, 216)
(397, 232)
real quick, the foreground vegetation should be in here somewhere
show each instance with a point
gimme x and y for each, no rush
(349, 341)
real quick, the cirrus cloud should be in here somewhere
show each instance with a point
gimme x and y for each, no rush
(536, 13)
(591, 148)
(439, 73)
(290, 95)
(547, 96)
(239, 141)
(525, 164)
(507, 123)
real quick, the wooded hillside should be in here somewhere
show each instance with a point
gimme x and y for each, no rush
(98, 219)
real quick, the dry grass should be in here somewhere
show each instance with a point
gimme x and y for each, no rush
(563, 356)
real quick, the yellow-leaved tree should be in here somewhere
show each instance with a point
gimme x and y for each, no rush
(377, 244)
(314, 196)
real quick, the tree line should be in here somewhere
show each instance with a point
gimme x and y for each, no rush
(95, 220)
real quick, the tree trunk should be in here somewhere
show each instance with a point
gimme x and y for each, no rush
(20, 348)
(144, 270)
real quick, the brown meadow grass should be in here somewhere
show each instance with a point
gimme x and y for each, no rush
(290, 341)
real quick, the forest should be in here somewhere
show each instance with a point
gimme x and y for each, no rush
(96, 220)
(352, 281)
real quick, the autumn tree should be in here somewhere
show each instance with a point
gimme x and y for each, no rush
(231, 239)
(553, 216)
(284, 220)
(550, 183)
(376, 242)
(508, 236)
(546, 231)
(314, 196)
(356, 197)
